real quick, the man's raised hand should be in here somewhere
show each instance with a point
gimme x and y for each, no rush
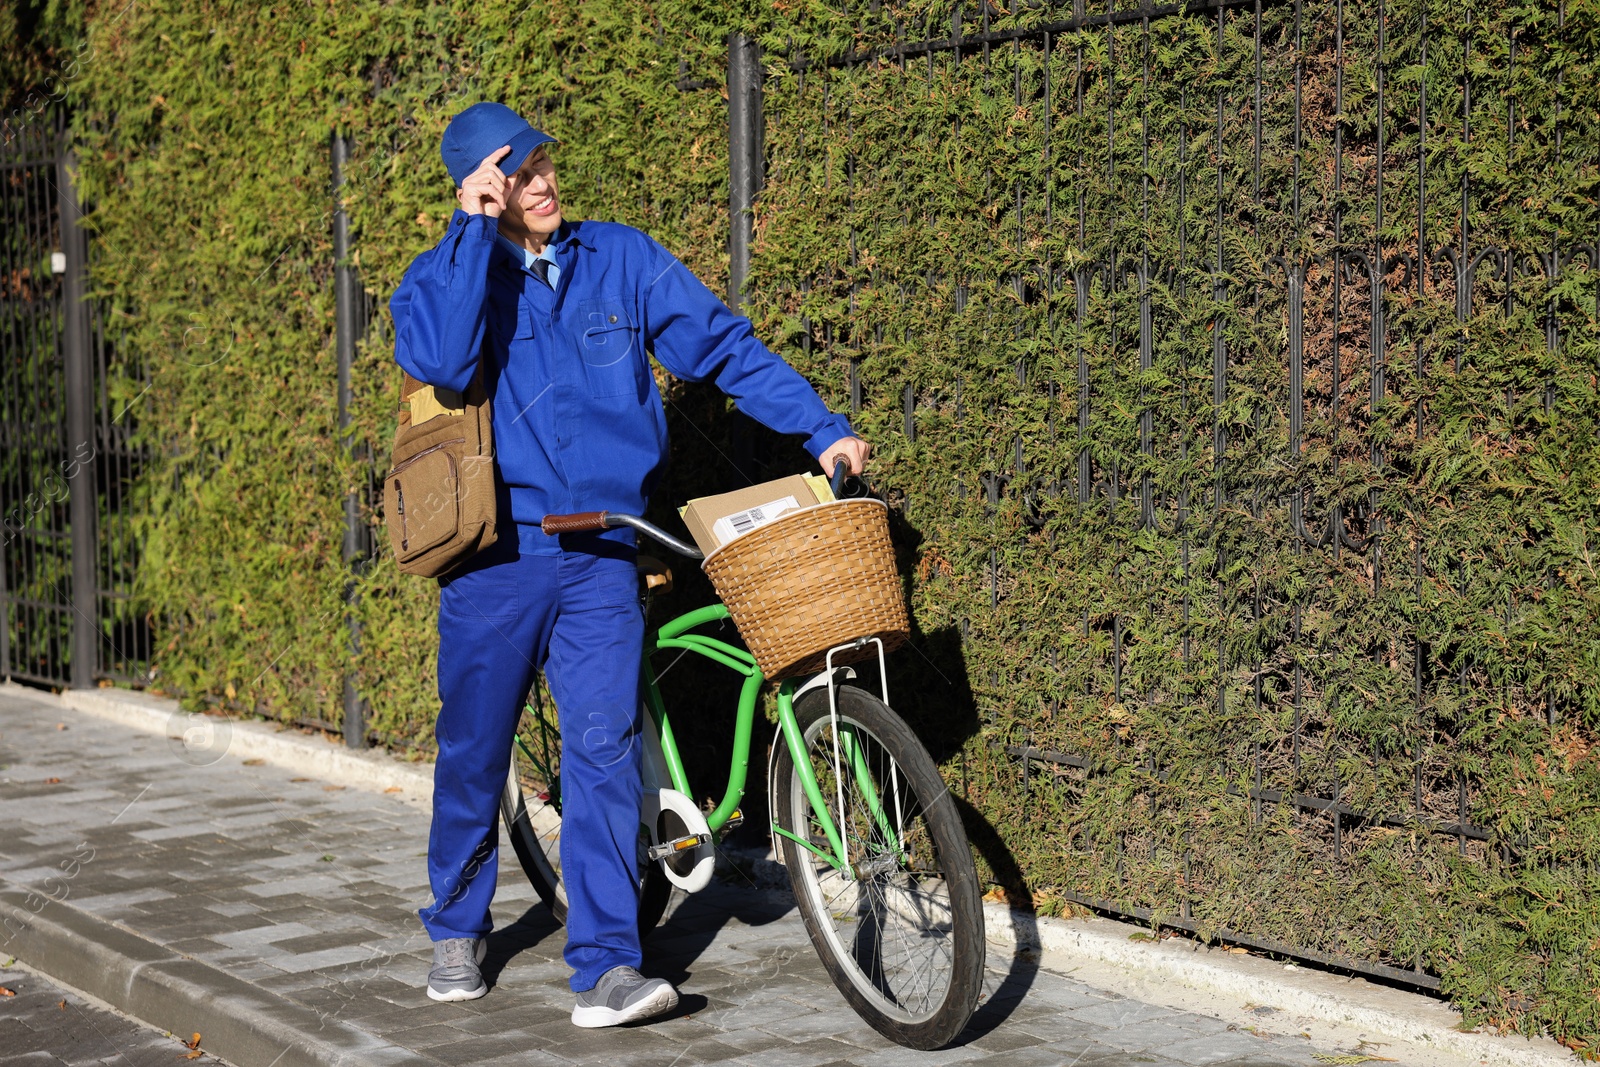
(484, 191)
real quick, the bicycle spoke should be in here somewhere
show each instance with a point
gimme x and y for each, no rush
(885, 910)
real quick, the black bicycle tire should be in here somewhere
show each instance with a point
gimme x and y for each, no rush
(654, 894)
(954, 854)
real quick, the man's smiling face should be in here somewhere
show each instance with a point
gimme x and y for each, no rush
(533, 203)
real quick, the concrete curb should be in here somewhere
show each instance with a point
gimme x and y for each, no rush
(200, 740)
(1181, 973)
(240, 1022)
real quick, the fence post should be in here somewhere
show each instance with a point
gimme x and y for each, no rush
(345, 299)
(744, 157)
(81, 461)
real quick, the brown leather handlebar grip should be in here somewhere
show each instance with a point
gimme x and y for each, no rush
(579, 523)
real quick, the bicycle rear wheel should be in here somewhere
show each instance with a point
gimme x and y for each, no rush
(530, 804)
(900, 933)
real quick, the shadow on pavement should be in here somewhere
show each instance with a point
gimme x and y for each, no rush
(1024, 962)
(506, 942)
(671, 950)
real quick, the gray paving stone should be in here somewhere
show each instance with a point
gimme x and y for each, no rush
(1155, 1036)
(813, 1024)
(1006, 1040)
(1223, 1048)
(1119, 1013)
(265, 934)
(895, 1056)
(813, 1053)
(526, 1058)
(1045, 1056)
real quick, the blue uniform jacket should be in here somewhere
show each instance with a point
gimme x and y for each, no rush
(578, 421)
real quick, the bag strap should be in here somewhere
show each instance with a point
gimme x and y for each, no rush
(409, 385)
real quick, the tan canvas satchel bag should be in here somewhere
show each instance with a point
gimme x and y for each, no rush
(439, 495)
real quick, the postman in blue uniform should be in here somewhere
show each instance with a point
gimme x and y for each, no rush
(565, 339)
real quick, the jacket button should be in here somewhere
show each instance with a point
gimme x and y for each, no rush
(613, 318)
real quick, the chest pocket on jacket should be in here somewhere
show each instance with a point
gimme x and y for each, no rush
(610, 343)
(509, 318)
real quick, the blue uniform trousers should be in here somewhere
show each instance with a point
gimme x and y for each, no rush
(575, 614)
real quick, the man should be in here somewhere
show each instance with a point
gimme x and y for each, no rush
(562, 315)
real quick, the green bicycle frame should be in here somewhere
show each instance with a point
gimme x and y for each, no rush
(676, 634)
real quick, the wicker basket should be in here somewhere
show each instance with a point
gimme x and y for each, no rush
(808, 581)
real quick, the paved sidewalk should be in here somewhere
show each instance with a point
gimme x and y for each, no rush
(290, 903)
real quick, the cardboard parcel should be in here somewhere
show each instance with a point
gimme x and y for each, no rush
(713, 521)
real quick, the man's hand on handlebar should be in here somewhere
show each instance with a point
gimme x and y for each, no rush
(853, 450)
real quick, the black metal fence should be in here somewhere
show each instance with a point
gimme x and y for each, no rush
(1221, 226)
(67, 459)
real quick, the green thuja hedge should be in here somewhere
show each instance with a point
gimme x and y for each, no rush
(1110, 553)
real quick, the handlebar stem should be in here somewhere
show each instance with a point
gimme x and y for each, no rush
(655, 533)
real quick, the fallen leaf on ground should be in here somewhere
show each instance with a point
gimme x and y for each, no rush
(193, 1042)
(254, 762)
(1239, 951)
(62, 1005)
(61, 726)
(52, 781)
(332, 788)
(394, 789)
(302, 779)
(6, 991)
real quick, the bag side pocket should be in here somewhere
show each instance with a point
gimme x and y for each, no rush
(420, 498)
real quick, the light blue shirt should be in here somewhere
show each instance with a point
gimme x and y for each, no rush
(526, 258)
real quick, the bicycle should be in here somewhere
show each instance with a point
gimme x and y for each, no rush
(879, 863)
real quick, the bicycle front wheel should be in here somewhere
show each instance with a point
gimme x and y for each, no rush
(530, 804)
(900, 929)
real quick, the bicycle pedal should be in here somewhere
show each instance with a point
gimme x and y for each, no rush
(733, 820)
(677, 845)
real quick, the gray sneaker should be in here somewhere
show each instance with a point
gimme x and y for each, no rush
(621, 996)
(455, 974)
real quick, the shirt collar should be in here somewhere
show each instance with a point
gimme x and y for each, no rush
(522, 256)
(560, 242)
(571, 233)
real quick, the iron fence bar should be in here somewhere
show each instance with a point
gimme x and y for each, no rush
(356, 546)
(1219, 293)
(83, 497)
(744, 158)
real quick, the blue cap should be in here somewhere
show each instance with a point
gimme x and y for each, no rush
(482, 128)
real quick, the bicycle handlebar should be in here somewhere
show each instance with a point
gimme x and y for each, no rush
(586, 521)
(582, 522)
(841, 467)
(605, 520)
